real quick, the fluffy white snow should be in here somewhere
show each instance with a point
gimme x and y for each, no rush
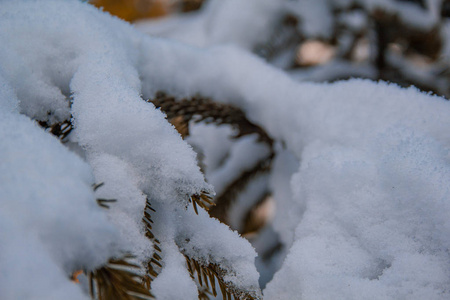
(360, 178)
(243, 23)
(50, 223)
(89, 69)
(362, 147)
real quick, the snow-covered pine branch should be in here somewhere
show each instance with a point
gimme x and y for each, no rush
(360, 173)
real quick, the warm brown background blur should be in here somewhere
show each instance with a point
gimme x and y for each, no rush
(132, 10)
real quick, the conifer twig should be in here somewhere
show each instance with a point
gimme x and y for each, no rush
(118, 279)
(224, 201)
(204, 200)
(60, 130)
(206, 277)
(154, 264)
(199, 109)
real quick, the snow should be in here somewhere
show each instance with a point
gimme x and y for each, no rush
(89, 70)
(360, 176)
(214, 153)
(120, 183)
(373, 231)
(352, 120)
(163, 286)
(109, 77)
(214, 242)
(244, 154)
(288, 212)
(333, 70)
(45, 211)
(314, 15)
(236, 22)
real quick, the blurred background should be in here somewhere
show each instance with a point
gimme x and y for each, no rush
(132, 10)
(402, 41)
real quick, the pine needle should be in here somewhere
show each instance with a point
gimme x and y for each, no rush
(96, 186)
(199, 109)
(154, 264)
(102, 202)
(206, 277)
(204, 200)
(60, 130)
(224, 201)
(118, 279)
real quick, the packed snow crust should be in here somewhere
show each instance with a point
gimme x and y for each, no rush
(360, 176)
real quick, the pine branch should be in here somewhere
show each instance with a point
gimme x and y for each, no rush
(226, 199)
(206, 277)
(253, 222)
(60, 130)
(153, 265)
(204, 200)
(118, 279)
(96, 186)
(200, 109)
(102, 202)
